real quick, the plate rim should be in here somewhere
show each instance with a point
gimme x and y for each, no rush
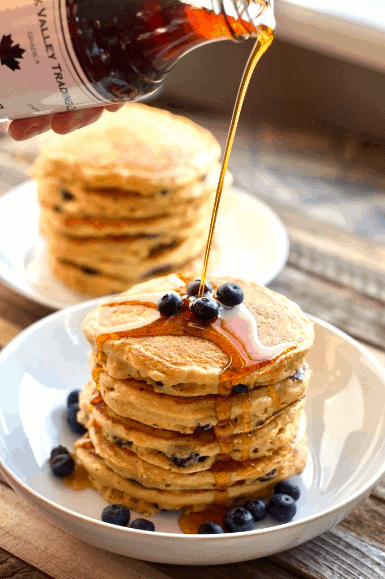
(22, 189)
(15, 343)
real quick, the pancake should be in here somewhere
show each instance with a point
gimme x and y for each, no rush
(118, 248)
(139, 148)
(130, 267)
(140, 402)
(125, 462)
(87, 281)
(101, 226)
(72, 199)
(91, 282)
(117, 489)
(188, 453)
(185, 359)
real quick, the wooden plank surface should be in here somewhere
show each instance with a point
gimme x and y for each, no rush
(13, 568)
(32, 538)
(35, 540)
(335, 555)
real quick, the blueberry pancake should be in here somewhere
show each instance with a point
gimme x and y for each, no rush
(129, 267)
(118, 489)
(118, 248)
(100, 226)
(139, 148)
(188, 452)
(128, 464)
(186, 359)
(70, 199)
(91, 281)
(139, 401)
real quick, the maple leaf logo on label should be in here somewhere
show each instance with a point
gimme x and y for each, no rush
(9, 54)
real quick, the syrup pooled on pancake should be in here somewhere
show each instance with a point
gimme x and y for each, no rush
(234, 331)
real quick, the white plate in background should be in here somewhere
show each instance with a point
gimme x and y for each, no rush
(346, 428)
(253, 239)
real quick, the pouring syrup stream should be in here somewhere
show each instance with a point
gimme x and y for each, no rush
(260, 47)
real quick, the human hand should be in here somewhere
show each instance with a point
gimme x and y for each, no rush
(61, 123)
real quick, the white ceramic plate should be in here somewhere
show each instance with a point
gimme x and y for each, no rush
(254, 242)
(346, 430)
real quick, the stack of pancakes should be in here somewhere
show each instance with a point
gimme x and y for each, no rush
(126, 199)
(154, 413)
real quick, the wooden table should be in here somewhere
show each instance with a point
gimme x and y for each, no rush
(332, 272)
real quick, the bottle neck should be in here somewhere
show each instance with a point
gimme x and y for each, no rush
(244, 17)
(211, 20)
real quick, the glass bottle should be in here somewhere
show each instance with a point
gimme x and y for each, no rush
(61, 55)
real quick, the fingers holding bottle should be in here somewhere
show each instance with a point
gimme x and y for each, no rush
(61, 123)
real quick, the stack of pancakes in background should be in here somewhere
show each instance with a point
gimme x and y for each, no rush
(126, 199)
(155, 415)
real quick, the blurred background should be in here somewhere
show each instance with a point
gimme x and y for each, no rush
(311, 140)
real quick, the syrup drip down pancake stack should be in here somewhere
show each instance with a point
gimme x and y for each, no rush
(126, 199)
(187, 409)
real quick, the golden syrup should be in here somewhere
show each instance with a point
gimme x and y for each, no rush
(95, 401)
(246, 437)
(224, 427)
(222, 471)
(264, 40)
(79, 480)
(190, 523)
(274, 396)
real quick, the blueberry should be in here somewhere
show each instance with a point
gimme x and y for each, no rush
(73, 397)
(193, 287)
(204, 426)
(209, 528)
(66, 195)
(282, 508)
(238, 520)
(298, 376)
(257, 508)
(205, 308)
(136, 482)
(169, 304)
(62, 465)
(230, 294)
(74, 425)
(240, 388)
(58, 450)
(287, 487)
(143, 525)
(185, 461)
(89, 270)
(116, 515)
(268, 476)
(119, 441)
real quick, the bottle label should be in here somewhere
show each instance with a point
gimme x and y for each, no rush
(39, 71)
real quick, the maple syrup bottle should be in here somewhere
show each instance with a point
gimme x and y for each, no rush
(61, 55)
